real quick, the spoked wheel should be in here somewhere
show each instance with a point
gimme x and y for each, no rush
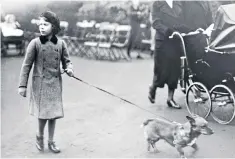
(198, 100)
(223, 104)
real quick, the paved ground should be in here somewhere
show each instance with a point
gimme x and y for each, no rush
(96, 124)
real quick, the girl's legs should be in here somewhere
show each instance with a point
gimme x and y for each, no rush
(40, 134)
(41, 126)
(51, 130)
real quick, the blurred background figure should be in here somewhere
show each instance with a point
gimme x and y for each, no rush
(153, 32)
(64, 28)
(135, 16)
(10, 22)
(11, 34)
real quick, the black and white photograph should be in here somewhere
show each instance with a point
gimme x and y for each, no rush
(117, 78)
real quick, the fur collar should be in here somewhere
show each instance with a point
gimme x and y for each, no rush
(44, 39)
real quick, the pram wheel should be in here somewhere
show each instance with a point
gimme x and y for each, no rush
(3, 50)
(223, 110)
(198, 100)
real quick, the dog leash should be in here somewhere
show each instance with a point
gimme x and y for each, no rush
(127, 101)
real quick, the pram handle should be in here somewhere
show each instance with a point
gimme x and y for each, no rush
(184, 34)
(199, 30)
(180, 35)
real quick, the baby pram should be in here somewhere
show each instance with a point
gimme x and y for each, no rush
(208, 68)
(12, 36)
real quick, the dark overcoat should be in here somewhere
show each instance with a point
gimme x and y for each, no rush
(46, 88)
(197, 14)
(166, 18)
(167, 51)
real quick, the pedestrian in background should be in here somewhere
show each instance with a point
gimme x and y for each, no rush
(46, 53)
(153, 33)
(135, 16)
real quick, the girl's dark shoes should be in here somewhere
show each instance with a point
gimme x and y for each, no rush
(52, 147)
(39, 143)
(173, 104)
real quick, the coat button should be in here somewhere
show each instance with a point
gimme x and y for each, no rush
(56, 76)
(56, 58)
(43, 76)
(44, 59)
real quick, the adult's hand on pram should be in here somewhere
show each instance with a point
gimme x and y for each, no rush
(200, 30)
(173, 34)
(183, 34)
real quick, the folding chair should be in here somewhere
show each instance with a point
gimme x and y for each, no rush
(146, 40)
(81, 33)
(106, 37)
(90, 42)
(75, 47)
(121, 39)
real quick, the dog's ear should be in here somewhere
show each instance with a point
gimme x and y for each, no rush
(191, 120)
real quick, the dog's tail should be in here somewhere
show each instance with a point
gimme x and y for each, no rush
(146, 122)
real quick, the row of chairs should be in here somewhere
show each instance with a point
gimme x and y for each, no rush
(106, 42)
(100, 41)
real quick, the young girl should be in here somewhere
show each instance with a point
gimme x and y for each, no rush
(46, 52)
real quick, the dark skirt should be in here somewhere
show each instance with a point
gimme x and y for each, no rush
(167, 59)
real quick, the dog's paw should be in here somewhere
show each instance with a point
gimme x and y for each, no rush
(156, 150)
(195, 147)
(183, 157)
(148, 148)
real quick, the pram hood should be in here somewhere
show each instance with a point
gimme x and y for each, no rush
(222, 37)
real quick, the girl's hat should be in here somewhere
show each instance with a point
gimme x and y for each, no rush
(52, 18)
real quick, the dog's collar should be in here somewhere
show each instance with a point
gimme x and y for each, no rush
(192, 142)
(44, 39)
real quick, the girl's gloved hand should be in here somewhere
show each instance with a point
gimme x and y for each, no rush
(69, 71)
(22, 91)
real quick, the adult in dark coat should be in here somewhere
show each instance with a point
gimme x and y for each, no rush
(197, 14)
(167, 51)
